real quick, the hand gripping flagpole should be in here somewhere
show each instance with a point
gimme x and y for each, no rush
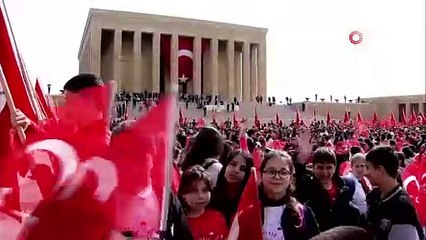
(11, 104)
(169, 162)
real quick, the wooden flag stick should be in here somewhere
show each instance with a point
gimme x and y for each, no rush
(11, 105)
(172, 115)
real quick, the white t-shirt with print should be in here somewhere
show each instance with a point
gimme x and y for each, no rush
(271, 228)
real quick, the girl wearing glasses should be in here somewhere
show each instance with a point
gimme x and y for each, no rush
(283, 217)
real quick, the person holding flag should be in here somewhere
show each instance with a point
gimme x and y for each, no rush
(281, 215)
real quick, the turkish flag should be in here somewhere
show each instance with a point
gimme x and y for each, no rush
(120, 189)
(346, 118)
(185, 58)
(359, 119)
(414, 181)
(247, 223)
(18, 88)
(375, 119)
(298, 119)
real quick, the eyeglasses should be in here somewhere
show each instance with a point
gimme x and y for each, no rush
(271, 173)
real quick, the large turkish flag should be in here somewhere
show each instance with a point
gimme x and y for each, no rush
(185, 58)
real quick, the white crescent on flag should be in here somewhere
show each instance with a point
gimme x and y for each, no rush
(186, 53)
(65, 153)
(107, 176)
(69, 166)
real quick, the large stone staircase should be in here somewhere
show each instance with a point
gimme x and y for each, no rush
(246, 109)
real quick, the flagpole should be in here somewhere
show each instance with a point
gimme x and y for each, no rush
(21, 65)
(169, 164)
(11, 104)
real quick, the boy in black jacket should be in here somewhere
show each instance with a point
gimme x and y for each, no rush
(390, 215)
(329, 195)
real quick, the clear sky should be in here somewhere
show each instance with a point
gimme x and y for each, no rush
(308, 40)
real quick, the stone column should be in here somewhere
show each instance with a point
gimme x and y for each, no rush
(214, 66)
(137, 61)
(246, 71)
(156, 38)
(261, 64)
(253, 72)
(95, 50)
(238, 80)
(117, 58)
(196, 75)
(174, 74)
(230, 51)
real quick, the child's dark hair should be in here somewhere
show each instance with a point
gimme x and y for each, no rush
(232, 155)
(82, 81)
(386, 157)
(193, 174)
(296, 216)
(324, 155)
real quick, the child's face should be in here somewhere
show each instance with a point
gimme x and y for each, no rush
(236, 169)
(198, 197)
(359, 168)
(373, 174)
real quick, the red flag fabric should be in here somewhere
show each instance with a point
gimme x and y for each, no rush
(414, 181)
(257, 158)
(79, 210)
(121, 190)
(185, 55)
(298, 119)
(346, 117)
(45, 101)
(359, 119)
(201, 123)
(276, 144)
(345, 168)
(46, 146)
(247, 223)
(404, 117)
(141, 155)
(375, 119)
(18, 88)
(11, 68)
(185, 58)
(328, 121)
(413, 119)
(243, 143)
(235, 121)
(392, 120)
